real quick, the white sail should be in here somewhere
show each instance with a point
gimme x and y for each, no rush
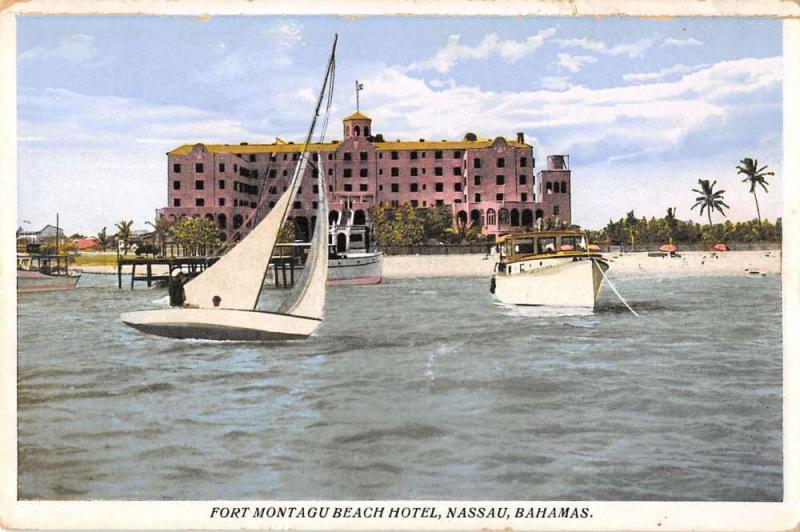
(307, 297)
(236, 278)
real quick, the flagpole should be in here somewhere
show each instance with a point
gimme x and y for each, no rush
(358, 107)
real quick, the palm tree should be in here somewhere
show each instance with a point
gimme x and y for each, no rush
(671, 220)
(104, 239)
(755, 176)
(463, 232)
(124, 233)
(713, 200)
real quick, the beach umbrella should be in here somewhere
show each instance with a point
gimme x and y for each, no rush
(668, 248)
(593, 247)
(721, 247)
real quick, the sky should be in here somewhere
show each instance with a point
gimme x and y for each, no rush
(644, 108)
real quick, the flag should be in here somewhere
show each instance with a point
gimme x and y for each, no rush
(359, 86)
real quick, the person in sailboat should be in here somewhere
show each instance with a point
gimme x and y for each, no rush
(177, 294)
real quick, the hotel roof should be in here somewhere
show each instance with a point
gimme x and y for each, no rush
(400, 145)
(358, 115)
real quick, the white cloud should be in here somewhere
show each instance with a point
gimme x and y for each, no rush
(554, 83)
(574, 63)
(306, 95)
(75, 48)
(663, 73)
(681, 43)
(284, 34)
(491, 45)
(633, 50)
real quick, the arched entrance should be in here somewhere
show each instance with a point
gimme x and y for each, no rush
(462, 217)
(238, 220)
(333, 217)
(222, 221)
(301, 230)
(359, 217)
(341, 243)
(475, 217)
(514, 218)
(527, 218)
(539, 214)
(491, 217)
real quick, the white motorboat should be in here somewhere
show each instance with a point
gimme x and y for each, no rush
(550, 268)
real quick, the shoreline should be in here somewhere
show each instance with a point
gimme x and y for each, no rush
(628, 264)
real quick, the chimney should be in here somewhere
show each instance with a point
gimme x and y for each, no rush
(521, 137)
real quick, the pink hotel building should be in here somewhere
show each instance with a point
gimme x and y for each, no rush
(488, 181)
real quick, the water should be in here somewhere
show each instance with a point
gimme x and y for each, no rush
(414, 389)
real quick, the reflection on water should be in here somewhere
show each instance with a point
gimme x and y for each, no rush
(413, 389)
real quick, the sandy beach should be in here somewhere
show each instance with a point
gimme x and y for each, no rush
(622, 264)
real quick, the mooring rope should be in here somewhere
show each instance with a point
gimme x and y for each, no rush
(614, 289)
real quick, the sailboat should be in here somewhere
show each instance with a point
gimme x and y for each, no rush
(221, 303)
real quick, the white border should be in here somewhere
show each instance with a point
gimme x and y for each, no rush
(606, 515)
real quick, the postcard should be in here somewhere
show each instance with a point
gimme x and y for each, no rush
(409, 266)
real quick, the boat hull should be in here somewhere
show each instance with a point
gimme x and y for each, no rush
(361, 268)
(221, 324)
(32, 281)
(561, 282)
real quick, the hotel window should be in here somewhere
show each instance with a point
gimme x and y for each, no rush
(414, 172)
(199, 185)
(284, 156)
(437, 154)
(330, 156)
(501, 180)
(363, 172)
(347, 172)
(199, 202)
(363, 156)
(501, 162)
(439, 187)
(439, 202)
(176, 168)
(297, 205)
(222, 184)
(198, 167)
(273, 157)
(457, 187)
(523, 179)
(394, 156)
(252, 158)
(176, 202)
(555, 209)
(456, 170)
(330, 188)
(315, 173)
(294, 156)
(273, 190)
(380, 171)
(395, 187)
(235, 168)
(176, 185)
(314, 204)
(221, 202)
(348, 156)
(498, 197)
(523, 161)
(363, 187)
(380, 156)
(491, 217)
(414, 155)
(477, 198)
(456, 154)
(395, 171)
(271, 204)
(330, 171)
(299, 190)
(477, 180)
(348, 187)
(564, 187)
(414, 203)
(285, 173)
(315, 157)
(524, 196)
(477, 162)
(438, 171)
(315, 190)
(414, 187)
(549, 187)
(221, 167)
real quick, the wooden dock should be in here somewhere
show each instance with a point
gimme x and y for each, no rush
(283, 266)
